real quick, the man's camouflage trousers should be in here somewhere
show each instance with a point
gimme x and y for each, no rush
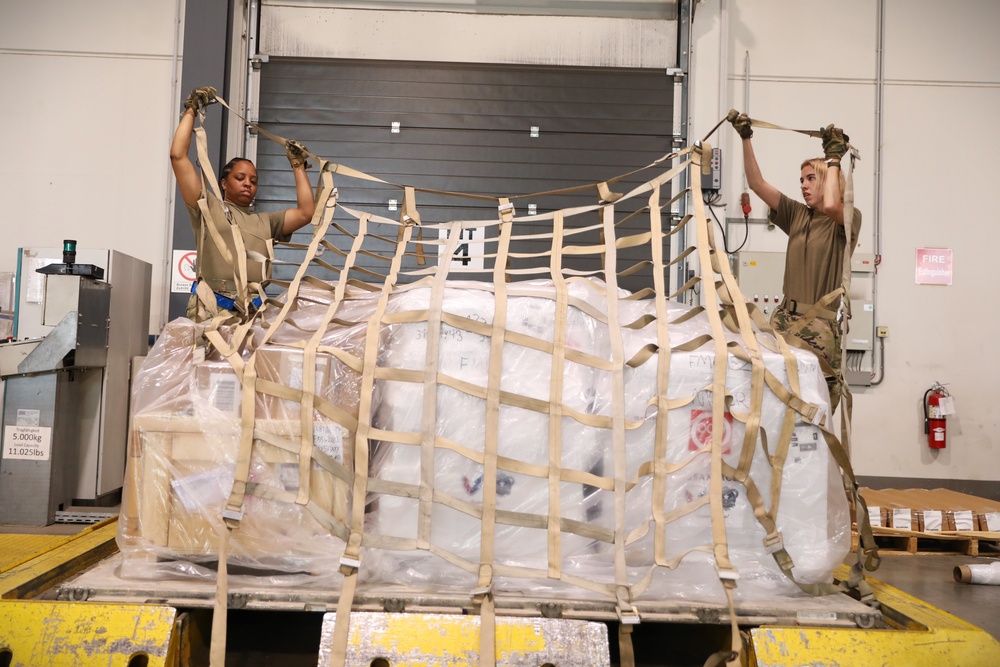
(821, 337)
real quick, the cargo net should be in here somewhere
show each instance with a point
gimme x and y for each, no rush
(520, 431)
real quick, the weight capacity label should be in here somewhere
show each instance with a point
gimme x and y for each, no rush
(27, 442)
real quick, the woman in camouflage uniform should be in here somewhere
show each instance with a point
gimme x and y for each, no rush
(807, 315)
(238, 184)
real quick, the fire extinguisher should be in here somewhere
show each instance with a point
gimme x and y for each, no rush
(935, 425)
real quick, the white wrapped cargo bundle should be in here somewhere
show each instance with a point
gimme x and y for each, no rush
(187, 432)
(461, 419)
(813, 516)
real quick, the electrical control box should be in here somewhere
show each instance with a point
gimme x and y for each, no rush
(713, 179)
(761, 276)
(861, 329)
(862, 262)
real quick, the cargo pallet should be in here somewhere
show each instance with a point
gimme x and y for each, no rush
(968, 543)
(64, 605)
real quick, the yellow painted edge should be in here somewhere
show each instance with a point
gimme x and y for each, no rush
(914, 608)
(45, 633)
(850, 647)
(947, 639)
(41, 572)
(21, 548)
(51, 541)
(447, 637)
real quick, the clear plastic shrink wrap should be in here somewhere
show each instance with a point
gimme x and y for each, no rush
(184, 443)
(813, 514)
(523, 435)
(186, 436)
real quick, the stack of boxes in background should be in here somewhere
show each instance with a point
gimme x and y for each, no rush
(914, 520)
(931, 510)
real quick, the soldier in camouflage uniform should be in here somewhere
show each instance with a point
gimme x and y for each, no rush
(817, 239)
(234, 212)
(820, 336)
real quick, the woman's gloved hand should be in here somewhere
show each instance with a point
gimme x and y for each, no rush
(296, 154)
(741, 123)
(200, 98)
(834, 142)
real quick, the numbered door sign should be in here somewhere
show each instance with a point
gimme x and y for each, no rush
(470, 249)
(33, 443)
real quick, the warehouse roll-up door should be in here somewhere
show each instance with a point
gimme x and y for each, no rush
(486, 129)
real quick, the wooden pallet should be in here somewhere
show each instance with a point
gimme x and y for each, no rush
(894, 541)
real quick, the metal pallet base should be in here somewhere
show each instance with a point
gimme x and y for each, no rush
(103, 584)
(146, 625)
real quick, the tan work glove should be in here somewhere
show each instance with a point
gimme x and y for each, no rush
(741, 123)
(296, 154)
(834, 142)
(200, 98)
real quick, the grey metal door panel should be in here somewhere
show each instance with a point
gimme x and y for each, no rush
(464, 128)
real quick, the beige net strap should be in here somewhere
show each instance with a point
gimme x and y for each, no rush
(556, 401)
(386, 276)
(484, 582)
(232, 248)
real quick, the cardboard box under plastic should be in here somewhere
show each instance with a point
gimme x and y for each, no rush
(172, 455)
(219, 386)
(283, 365)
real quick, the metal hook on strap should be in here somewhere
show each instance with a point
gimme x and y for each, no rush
(232, 516)
(629, 616)
(506, 210)
(409, 215)
(728, 576)
(872, 559)
(482, 592)
(485, 580)
(349, 565)
(774, 542)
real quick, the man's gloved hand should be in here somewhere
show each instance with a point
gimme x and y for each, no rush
(834, 142)
(200, 98)
(741, 123)
(296, 154)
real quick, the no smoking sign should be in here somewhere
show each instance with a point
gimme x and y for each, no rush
(183, 271)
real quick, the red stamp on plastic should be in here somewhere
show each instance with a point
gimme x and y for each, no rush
(700, 436)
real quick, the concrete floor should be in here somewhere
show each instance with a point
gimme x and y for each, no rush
(928, 577)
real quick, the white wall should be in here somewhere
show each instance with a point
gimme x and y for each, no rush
(88, 111)
(813, 63)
